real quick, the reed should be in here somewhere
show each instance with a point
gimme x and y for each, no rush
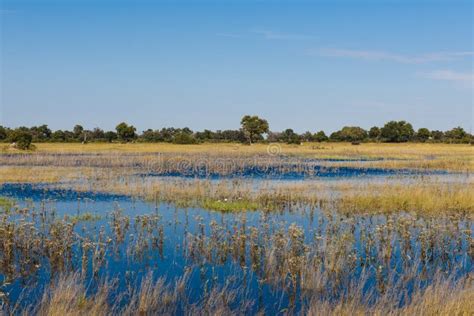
(330, 265)
(419, 195)
(399, 246)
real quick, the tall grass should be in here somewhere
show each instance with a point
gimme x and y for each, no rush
(66, 297)
(421, 196)
(344, 263)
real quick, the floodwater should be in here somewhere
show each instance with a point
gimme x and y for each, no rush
(175, 231)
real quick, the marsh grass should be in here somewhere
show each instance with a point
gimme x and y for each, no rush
(443, 297)
(222, 158)
(65, 297)
(395, 247)
(345, 264)
(6, 204)
(421, 196)
(83, 217)
(29, 174)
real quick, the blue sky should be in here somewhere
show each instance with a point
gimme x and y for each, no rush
(305, 65)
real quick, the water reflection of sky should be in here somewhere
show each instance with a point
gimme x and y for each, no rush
(177, 223)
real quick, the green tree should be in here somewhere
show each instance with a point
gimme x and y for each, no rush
(456, 133)
(125, 132)
(3, 133)
(423, 134)
(374, 132)
(352, 134)
(320, 137)
(437, 135)
(397, 132)
(290, 137)
(21, 138)
(41, 133)
(254, 127)
(97, 134)
(205, 135)
(58, 136)
(78, 131)
(110, 136)
(307, 136)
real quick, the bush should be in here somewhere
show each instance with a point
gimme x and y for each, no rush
(184, 138)
(22, 139)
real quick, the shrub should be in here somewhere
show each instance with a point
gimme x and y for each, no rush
(21, 138)
(184, 138)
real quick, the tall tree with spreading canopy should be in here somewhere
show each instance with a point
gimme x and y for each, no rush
(254, 127)
(397, 132)
(125, 132)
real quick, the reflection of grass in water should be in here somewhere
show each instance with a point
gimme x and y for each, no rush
(328, 270)
(66, 297)
(317, 268)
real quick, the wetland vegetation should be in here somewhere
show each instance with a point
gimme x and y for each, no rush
(317, 229)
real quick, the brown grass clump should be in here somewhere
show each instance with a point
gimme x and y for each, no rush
(441, 298)
(67, 296)
(422, 198)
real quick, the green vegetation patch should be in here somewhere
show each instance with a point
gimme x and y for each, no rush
(84, 217)
(230, 205)
(6, 204)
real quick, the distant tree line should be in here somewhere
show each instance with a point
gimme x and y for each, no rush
(253, 129)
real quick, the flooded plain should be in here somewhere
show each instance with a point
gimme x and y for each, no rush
(274, 262)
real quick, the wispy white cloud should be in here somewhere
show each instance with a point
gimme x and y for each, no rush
(449, 75)
(371, 55)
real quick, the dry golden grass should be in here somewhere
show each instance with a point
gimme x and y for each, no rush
(43, 174)
(422, 198)
(441, 298)
(113, 173)
(67, 297)
(405, 155)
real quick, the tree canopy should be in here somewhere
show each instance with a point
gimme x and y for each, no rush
(254, 127)
(125, 132)
(252, 130)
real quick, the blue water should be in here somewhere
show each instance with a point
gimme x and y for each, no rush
(173, 259)
(39, 192)
(291, 172)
